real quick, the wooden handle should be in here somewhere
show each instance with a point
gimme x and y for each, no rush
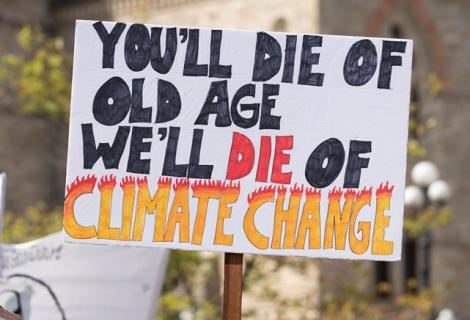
(6, 315)
(233, 285)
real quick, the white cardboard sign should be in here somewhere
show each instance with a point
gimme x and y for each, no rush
(235, 141)
(46, 279)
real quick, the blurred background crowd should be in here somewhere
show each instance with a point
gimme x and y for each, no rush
(431, 281)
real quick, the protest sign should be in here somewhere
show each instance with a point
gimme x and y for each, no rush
(235, 141)
(47, 279)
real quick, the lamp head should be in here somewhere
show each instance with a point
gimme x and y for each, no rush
(424, 173)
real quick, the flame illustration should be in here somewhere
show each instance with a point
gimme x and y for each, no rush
(181, 183)
(231, 185)
(142, 182)
(281, 190)
(365, 193)
(164, 182)
(127, 182)
(231, 188)
(309, 191)
(335, 194)
(207, 185)
(79, 181)
(266, 191)
(384, 189)
(108, 181)
(350, 193)
(297, 190)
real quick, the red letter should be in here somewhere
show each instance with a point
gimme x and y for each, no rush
(264, 158)
(241, 146)
(280, 159)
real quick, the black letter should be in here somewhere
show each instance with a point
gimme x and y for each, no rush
(136, 164)
(109, 41)
(218, 90)
(112, 102)
(289, 58)
(191, 68)
(170, 168)
(359, 73)
(248, 90)
(111, 155)
(169, 102)
(139, 114)
(159, 63)
(137, 47)
(216, 70)
(265, 69)
(388, 61)
(307, 59)
(355, 164)
(196, 170)
(320, 176)
(267, 120)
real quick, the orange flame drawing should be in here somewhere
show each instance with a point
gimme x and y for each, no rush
(350, 193)
(127, 182)
(206, 185)
(335, 194)
(365, 193)
(384, 189)
(164, 182)
(309, 191)
(231, 188)
(142, 182)
(108, 181)
(297, 190)
(181, 183)
(90, 179)
(231, 185)
(281, 190)
(261, 192)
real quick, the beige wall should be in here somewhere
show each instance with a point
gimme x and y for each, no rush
(299, 15)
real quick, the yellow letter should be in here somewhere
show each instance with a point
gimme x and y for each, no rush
(128, 187)
(289, 217)
(379, 245)
(337, 219)
(179, 213)
(360, 246)
(310, 221)
(148, 205)
(78, 188)
(229, 195)
(256, 200)
(106, 186)
(203, 190)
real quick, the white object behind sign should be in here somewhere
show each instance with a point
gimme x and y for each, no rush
(3, 191)
(50, 280)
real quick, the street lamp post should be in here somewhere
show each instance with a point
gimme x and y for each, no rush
(427, 192)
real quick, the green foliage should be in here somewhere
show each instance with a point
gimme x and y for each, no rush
(37, 221)
(427, 220)
(181, 283)
(351, 304)
(38, 77)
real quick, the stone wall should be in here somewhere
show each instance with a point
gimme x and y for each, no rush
(440, 32)
(31, 149)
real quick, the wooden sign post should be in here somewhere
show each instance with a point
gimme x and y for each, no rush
(233, 285)
(6, 315)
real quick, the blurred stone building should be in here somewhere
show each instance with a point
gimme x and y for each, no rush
(34, 156)
(440, 94)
